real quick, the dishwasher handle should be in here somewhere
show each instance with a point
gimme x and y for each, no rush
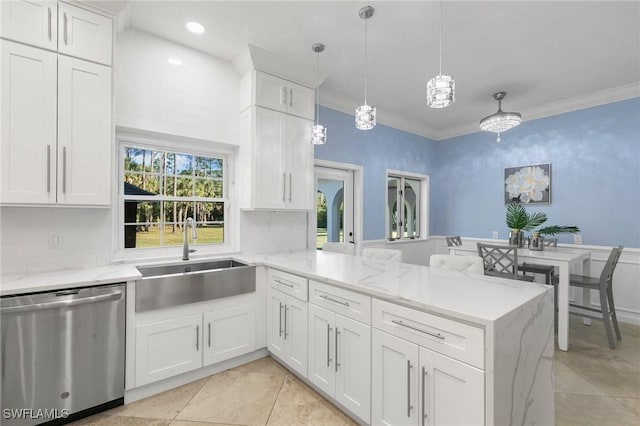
(62, 303)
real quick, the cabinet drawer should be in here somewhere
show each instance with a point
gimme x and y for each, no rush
(293, 285)
(348, 303)
(448, 337)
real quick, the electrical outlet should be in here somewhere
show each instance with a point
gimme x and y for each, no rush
(495, 235)
(577, 239)
(55, 240)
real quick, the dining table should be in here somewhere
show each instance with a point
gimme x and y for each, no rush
(568, 260)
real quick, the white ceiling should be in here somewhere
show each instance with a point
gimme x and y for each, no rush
(549, 56)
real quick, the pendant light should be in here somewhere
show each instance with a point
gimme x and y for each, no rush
(441, 90)
(500, 121)
(365, 114)
(318, 131)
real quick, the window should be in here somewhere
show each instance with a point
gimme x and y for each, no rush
(406, 205)
(162, 188)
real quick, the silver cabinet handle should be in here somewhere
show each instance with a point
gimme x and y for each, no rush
(399, 322)
(409, 407)
(336, 349)
(64, 24)
(424, 403)
(284, 187)
(283, 100)
(325, 297)
(290, 185)
(283, 283)
(209, 339)
(48, 168)
(64, 169)
(49, 16)
(290, 97)
(280, 318)
(286, 309)
(328, 345)
(197, 337)
(61, 303)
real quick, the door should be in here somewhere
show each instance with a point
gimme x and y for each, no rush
(84, 132)
(353, 366)
(301, 101)
(453, 391)
(167, 348)
(271, 92)
(394, 383)
(275, 323)
(334, 205)
(269, 155)
(295, 325)
(322, 348)
(28, 96)
(84, 34)
(32, 22)
(228, 333)
(299, 164)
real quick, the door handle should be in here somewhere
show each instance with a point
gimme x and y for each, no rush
(49, 17)
(290, 97)
(401, 323)
(336, 349)
(48, 168)
(284, 187)
(424, 403)
(280, 321)
(286, 309)
(64, 169)
(325, 297)
(61, 303)
(409, 407)
(197, 337)
(209, 339)
(290, 185)
(328, 345)
(64, 25)
(283, 100)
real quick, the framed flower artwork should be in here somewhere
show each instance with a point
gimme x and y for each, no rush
(528, 184)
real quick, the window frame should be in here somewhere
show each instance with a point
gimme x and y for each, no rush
(177, 145)
(422, 216)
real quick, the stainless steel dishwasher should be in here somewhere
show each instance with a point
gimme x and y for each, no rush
(62, 354)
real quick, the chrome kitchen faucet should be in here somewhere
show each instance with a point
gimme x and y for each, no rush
(185, 248)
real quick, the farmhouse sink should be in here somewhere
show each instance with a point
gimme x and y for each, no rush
(164, 286)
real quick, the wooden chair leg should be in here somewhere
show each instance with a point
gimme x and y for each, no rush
(614, 317)
(604, 306)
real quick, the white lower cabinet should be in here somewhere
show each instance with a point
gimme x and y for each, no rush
(340, 359)
(167, 347)
(287, 329)
(412, 385)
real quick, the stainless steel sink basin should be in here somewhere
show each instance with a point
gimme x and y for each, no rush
(164, 286)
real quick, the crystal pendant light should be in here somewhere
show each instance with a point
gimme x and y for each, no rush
(500, 121)
(318, 131)
(441, 90)
(365, 114)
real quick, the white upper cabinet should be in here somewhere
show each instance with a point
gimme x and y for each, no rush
(59, 27)
(30, 22)
(284, 96)
(84, 34)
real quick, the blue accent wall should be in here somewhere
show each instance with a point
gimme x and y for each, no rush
(594, 155)
(377, 150)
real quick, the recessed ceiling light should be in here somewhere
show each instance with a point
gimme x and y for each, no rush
(174, 61)
(195, 27)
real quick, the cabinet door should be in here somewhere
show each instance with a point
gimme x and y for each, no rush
(453, 391)
(394, 381)
(271, 92)
(28, 96)
(84, 34)
(269, 159)
(295, 326)
(167, 348)
(301, 101)
(275, 323)
(32, 22)
(228, 333)
(353, 366)
(84, 132)
(299, 183)
(322, 348)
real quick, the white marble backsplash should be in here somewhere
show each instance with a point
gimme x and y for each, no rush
(264, 232)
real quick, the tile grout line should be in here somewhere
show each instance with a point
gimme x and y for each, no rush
(275, 401)
(192, 396)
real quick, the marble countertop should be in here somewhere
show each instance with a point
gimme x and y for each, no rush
(476, 298)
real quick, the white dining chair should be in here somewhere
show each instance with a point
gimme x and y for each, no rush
(346, 248)
(382, 254)
(448, 262)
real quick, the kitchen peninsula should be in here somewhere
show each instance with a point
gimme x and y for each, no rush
(386, 342)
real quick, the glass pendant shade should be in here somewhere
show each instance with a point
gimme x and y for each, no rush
(441, 91)
(365, 117)
(318, 134)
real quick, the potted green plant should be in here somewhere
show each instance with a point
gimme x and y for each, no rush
(518, 220)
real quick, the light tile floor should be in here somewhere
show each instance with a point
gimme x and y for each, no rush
(594, 386)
